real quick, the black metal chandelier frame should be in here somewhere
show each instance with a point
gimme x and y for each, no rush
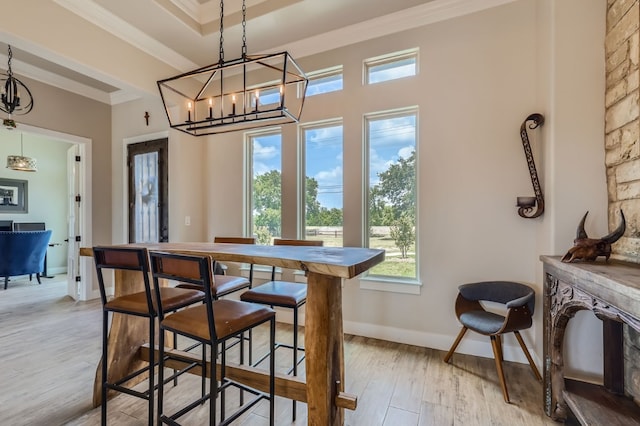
(225, 96)
(11, 96)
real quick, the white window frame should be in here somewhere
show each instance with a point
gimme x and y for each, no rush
(381, 282)
(323, 73)
(388, 59)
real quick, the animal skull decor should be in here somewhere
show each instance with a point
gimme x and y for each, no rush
(585, 248)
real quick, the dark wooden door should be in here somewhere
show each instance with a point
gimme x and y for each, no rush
(148, 191)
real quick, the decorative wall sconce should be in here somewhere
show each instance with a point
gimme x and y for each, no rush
(526, 205)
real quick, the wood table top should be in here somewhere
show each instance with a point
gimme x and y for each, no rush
(343, 262)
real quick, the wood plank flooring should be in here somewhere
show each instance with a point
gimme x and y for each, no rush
(50, 346)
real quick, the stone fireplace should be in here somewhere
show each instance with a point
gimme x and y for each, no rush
(622, 122)
(622, 148)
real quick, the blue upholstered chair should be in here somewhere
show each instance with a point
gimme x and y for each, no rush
(22, 253)
(519, 301)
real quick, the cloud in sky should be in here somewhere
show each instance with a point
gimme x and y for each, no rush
(266, 154)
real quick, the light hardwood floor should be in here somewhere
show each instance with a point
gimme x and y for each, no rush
(50, 346)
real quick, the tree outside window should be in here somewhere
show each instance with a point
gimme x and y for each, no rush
(266, 186)
(391, 140)
(323, 183)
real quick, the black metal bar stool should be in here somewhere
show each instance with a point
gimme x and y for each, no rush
(283, 294)
(141, 304)
(211, 323)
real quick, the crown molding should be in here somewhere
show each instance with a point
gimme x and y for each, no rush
(111, 23)
(414, 17)
(418, 16)
(56, 80)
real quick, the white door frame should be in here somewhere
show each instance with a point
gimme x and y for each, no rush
(83, 290)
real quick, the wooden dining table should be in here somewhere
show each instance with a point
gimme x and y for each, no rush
(323, 386)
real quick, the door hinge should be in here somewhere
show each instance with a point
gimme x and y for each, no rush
(78, 239)
(77, 158)
(78, 198)
(78, 278)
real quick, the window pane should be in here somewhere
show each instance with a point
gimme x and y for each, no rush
(266, 192)
(392, 193)
(146, 197)
(323, 185)
(391, 67)
(326, 84)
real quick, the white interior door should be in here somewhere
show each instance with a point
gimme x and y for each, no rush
(73, 222)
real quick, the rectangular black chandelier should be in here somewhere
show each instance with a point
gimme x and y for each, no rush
(246, 93)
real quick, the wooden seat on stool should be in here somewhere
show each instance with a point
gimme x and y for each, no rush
(224, 285)
(520, 302)
(211, 323)
(283, 294)
(141, 304)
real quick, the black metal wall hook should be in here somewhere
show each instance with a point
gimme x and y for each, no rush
(526, 205)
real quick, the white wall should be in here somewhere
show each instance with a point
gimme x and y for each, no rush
(473, 91)
(480, 76)
(572, 90)
(47, 188)
(187, 167)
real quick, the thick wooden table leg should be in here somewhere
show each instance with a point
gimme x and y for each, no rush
(126, 335)
(324, 349)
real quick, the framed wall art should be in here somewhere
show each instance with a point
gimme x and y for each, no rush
(13, 196)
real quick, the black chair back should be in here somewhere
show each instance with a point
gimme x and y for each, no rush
(194, 270)
(123, 258)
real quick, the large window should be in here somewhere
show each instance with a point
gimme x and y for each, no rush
(322, 147)
(265, 165)
(391, 191)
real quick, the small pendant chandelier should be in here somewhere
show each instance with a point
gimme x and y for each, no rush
(13, 101)
(245, 93)
(20, 162)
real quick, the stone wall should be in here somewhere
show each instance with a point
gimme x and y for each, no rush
(622, 148)
(622, 123)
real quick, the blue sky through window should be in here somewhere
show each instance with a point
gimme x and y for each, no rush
(390, 139)
(327, 84)
(267, 153)
(392, 70)
(324, 163)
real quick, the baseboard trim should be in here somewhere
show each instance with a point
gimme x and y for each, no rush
(470, 345)
(473, 344)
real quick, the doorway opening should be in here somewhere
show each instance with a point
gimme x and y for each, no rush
(74, 197)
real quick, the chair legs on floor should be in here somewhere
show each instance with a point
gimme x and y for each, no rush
(528, 355)
(497, 351)
(120, 385)
(455, 344)
(496, 345)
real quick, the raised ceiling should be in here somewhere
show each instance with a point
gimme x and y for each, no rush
(115, 50)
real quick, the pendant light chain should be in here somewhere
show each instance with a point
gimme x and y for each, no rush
(221, 30)
(9, 72)
(244, 29)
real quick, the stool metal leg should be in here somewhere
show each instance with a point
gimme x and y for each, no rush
(103, 408)
(295, 352)
(152, 333)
